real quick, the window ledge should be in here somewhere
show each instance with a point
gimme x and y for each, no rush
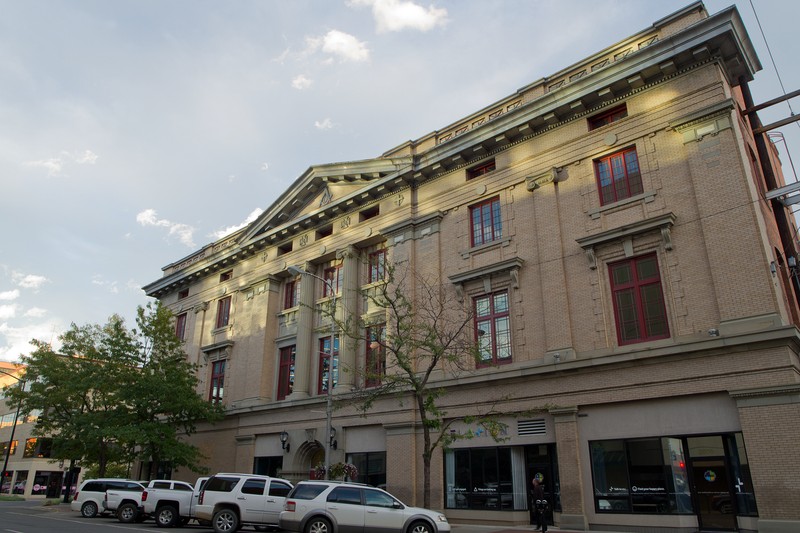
(484, 247)
(646, 198)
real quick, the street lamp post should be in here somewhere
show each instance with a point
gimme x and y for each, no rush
(20, 384)
(297, 271)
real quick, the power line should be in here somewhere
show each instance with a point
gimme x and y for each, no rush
(771, 58)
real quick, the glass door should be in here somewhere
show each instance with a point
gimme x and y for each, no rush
(711, 482)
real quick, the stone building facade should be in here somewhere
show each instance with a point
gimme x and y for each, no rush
(608, 227)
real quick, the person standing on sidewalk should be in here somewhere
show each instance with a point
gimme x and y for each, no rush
(537, 494)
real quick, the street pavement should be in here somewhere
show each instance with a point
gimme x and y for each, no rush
(456, 528)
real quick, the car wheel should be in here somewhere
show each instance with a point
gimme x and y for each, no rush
(225, 521)
(127, 513)
(166, 516)
(420, 527)
(318, 525)
(89, 509)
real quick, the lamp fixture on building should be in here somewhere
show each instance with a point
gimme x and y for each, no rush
(297, 271)
(333, 443)
(285, 441)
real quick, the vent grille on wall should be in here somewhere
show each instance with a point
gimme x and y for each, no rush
(531, 427)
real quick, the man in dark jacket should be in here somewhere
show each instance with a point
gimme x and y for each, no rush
(537, 494)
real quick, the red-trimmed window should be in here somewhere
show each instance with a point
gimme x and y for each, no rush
(291, 294)
(618, 176)
(180, 326)
(333, 278)
(481, 169)
(377, 265)
(607, 117)
(376, 355)
(217, 381)
(223, 312)
(638, 300)
(485, 222)
(324, 364)
(225, 276)
(286, 372)
(493, 328)
(183, 293)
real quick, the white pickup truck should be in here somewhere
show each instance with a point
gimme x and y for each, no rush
(125, 503)
(171, 503)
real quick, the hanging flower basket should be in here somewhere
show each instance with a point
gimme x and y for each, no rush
(343, 471)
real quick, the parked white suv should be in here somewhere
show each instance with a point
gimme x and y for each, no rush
(230, 501)
(92, 492)
(334, 507)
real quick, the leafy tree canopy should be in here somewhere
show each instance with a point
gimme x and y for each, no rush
(114, 395)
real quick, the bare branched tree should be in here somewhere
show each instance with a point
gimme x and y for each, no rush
(417, 331)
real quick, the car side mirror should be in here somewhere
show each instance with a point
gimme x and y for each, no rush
(397, 505)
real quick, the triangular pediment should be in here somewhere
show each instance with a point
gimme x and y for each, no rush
(320, 188)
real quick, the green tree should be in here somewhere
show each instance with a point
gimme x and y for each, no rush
(427, 333)
(111, 395)
(163, 403)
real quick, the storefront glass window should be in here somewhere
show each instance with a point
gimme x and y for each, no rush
(480, 478)
(371, 467)
(610, 473)
(743, 484)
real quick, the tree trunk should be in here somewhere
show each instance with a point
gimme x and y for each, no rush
(426, 454)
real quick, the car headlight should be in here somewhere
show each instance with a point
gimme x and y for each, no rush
(441, 518)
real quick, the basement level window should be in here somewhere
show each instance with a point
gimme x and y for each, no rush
(607, 117)
(481, 169)
(370, 212)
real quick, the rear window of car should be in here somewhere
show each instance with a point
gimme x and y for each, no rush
(123, 485)
(94, 486)
(181, 486)
(307, 491)
(221, 484)
(161, 485)
(254, 486)
(345, 495)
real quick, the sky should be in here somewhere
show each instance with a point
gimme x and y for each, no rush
(134, 132)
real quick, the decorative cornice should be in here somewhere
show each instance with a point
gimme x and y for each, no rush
(627, 232)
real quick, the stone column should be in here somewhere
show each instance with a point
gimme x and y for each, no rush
(573, 515)
(306, 352)
(348, 347)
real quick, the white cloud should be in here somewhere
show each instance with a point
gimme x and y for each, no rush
(9, 295)
(87, 157)
(8, 311)
(301, 82)
(28, 281)
(398, 15)
(55, 165)
(15, 342)
(339, 44)
(231, 229)
(264, 167)
(110, 286)
(35, 312)
(183, 232)
(324, 125)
